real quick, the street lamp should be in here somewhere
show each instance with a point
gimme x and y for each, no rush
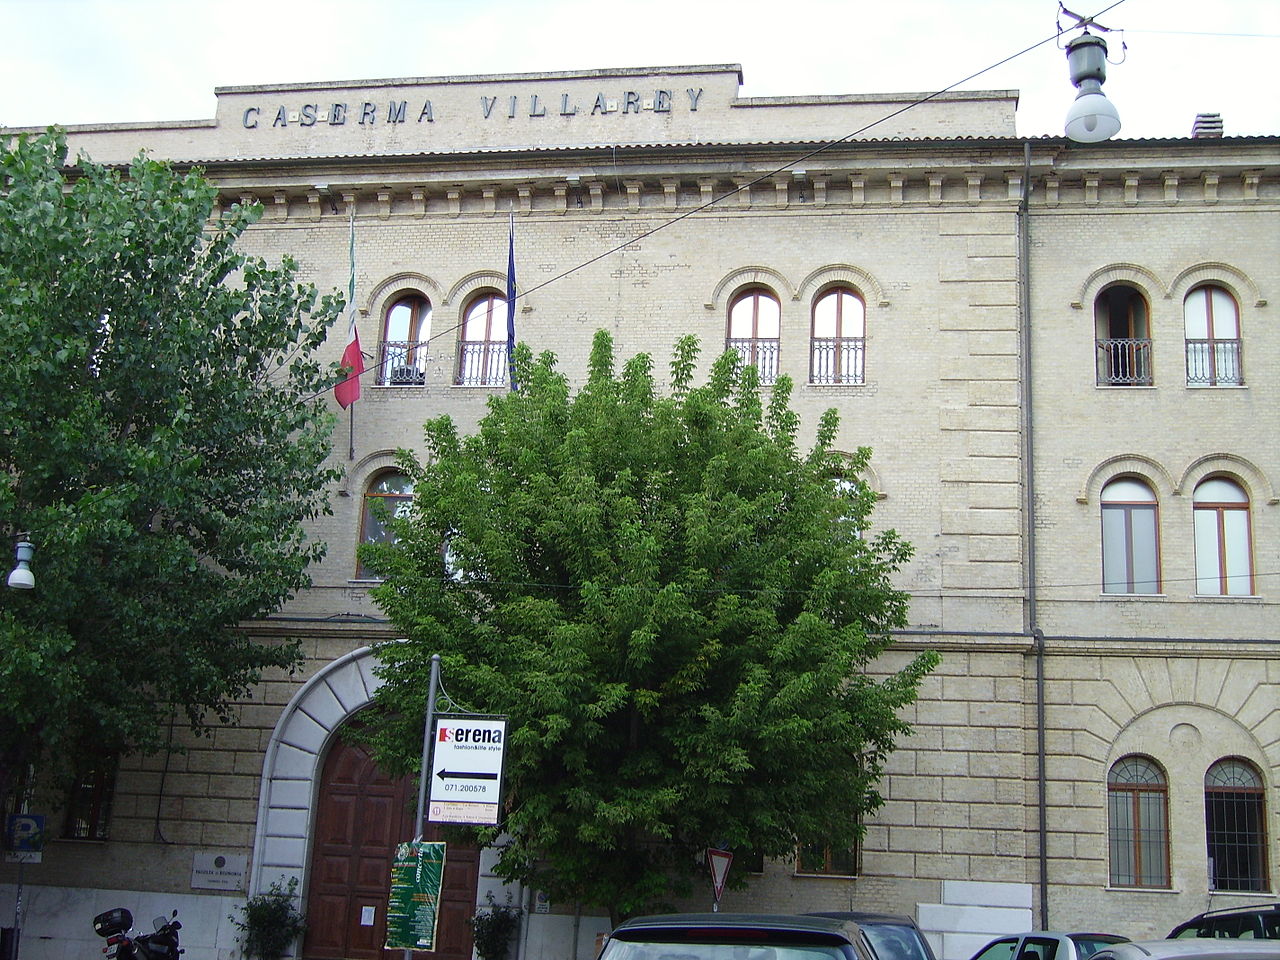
(1092, 118)
(21, 577)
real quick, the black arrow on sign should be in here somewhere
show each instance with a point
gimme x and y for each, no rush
(457, 775)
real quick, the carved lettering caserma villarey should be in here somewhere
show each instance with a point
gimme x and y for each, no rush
(396, 112)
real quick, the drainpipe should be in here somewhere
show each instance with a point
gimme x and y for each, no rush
(1031, 624)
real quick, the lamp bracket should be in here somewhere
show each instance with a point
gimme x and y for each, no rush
(1084, 23)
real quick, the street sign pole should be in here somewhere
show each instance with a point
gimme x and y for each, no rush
(427, 728)
(424, 774)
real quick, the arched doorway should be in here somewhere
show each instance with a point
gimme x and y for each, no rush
(360, 816)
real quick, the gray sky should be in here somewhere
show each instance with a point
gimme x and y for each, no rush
(93, 61)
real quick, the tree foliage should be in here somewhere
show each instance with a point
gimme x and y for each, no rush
(160, 439)
(674, 606)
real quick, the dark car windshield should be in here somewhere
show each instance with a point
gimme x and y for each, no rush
(894, 941)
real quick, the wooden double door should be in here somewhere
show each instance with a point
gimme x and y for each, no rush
(361, 814)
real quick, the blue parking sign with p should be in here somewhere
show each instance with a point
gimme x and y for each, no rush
(25, 832)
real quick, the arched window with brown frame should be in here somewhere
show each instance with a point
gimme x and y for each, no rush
(1212, 320)
(1138, 823)
(1130, 537)
(482, 343)
(838, 337)
(1235, 826)
(755, 324)
(406, 332)
(389, 494)
(1122, 337)
(1223, 539)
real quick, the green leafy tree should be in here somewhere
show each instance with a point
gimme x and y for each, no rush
(160, 439)
(675, 608)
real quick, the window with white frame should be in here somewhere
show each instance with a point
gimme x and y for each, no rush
(838, 342)
(1235, 826)
(755, 324)
(1130, 537)
(1223, 538)
(406, 331)
(1138, 823)
(1212, 321)
(482, 344)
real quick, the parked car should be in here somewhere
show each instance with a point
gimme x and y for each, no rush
(736, 936)
(1192, 949)
(1047, 945)
(1259, 922)
(892, 937)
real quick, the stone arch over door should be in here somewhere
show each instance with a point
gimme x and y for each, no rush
(292, 766)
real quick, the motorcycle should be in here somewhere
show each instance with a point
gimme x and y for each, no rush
(114, 925)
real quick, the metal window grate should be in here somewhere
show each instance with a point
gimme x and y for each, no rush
(762, 353)
(1124, 363)
(402, 362)
(1237, 839)
(482, 363)
(837, 360)
(1214, 362)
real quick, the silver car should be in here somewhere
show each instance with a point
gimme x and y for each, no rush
(1194, 948)
(1047, 945)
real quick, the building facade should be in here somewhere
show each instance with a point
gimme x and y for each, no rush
(1062, 356)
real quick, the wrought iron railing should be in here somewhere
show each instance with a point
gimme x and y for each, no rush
(482, 363)
(837, 359)
(402, 363)
(760, 353)
(1124, 362)
(1214, 362)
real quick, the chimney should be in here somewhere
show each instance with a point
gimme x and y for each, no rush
(1207, 126)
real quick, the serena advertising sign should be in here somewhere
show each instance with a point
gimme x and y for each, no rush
(466, 770)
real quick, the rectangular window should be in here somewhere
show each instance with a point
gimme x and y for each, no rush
(89, 805)
(1237, 840)
(819, 860)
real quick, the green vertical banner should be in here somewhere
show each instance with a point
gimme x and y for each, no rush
(416, 876)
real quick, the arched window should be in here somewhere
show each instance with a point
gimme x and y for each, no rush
(838, 341)
(1224, 540)
(755, 322)
(390, 494)
(482, 350)
(1212, 322)
(1123, 337)
(1138, 823)
(406, 330)
(1235, 826)
(1130, 538)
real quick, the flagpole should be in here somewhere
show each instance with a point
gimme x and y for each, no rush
(511, 300)
(351, 309)
(347, 390)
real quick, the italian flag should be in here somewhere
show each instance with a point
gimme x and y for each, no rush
(347, 390)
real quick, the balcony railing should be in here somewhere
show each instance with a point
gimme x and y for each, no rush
(1214, 362)
(402, 363)
(837, 359)
(482, 363)
(760, 353)
(1124, 363)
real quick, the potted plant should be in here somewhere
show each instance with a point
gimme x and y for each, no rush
(270, 922)
(493, 926)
